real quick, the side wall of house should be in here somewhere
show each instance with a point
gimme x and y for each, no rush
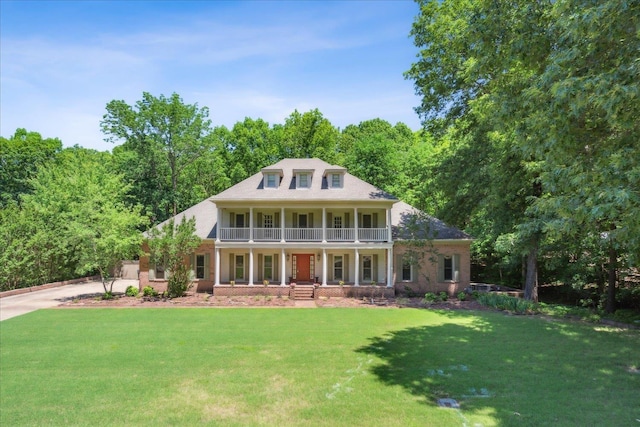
(425, 260)
(199, 285)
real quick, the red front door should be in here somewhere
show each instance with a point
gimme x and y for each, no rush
(302, 267)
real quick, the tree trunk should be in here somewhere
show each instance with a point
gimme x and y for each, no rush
(611, 289)
(531, 281)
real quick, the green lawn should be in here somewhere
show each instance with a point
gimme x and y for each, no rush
(313, 367)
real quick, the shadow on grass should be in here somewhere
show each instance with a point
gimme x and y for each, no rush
(506, 367)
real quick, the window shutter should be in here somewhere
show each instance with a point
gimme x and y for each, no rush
(456, 267)
(345, 267)
(374, 267)
(329, 220)
(333, 268)
(207, 265)
(375, 220)
(232, 219)
(310, 223)
(232, 267)
(276, 268)
(260, 269)
(294, 217)
(347, 224)
(440, 268)
(260, 220)
(192, 263)
(398, 270)
(246, 220)
(276, 220)
(246, 267)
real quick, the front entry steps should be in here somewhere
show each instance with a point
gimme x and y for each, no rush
(303, 292)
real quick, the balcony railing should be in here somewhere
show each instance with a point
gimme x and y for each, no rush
(266, 234)
(241, 234)
(373, 234)
(341, 234)
(304, 234)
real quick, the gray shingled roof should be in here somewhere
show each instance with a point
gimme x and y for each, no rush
(206, 215)
(353, 189)
(407, 221)
(411, 223)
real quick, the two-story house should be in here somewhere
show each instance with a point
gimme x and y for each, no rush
(305, 222)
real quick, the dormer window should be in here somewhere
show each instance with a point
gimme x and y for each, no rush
(334, 176)
(271, 180)
(271, 177)
(336, 180)
(304, 180)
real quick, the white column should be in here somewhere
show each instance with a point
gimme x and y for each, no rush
(219, 225)
(389, 267)
(251, 224)
(282, 224)
(217, 273)
(324, 267)
(390, 236)
(324, 224)
(356, 277)
(283, 268)
(250, 266)
(355, 223)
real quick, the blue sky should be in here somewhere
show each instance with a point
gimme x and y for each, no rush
(61, 62)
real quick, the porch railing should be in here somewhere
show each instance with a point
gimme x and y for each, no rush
(303, 234)
(373, 234)
(241, 234)
(266, 234)
(341, 234)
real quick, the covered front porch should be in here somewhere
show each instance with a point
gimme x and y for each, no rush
(303, 265)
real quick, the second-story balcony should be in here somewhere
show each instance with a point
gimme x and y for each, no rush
(236, 234)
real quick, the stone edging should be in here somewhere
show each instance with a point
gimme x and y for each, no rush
(48, 286)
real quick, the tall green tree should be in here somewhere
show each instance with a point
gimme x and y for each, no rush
(470, 74)
(586, 116)
(20, 157)
(165, 136)
(74, 222)
(308, 135)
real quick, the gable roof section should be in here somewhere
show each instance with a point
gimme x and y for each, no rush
(409, 223)
(206, 215)
(353, 189)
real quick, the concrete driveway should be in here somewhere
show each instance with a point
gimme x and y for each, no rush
(16, 305)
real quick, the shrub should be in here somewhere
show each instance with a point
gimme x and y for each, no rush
(107, 295)
(148, 291)
(462, 296)
(430, 297)
(409, 292)
(443, 296)
(507, 303)
(131, 291)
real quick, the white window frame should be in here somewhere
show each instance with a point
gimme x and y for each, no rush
(271, 180)
(336, 259)
(237, 266)
(267, 265)
(307, 177)
(336, 180)
(197, 267)
(406, 262)
(338, 221)
(368, 258)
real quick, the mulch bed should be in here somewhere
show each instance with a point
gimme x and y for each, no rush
(207, 300)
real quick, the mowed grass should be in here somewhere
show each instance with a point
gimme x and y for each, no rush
(313, 367)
